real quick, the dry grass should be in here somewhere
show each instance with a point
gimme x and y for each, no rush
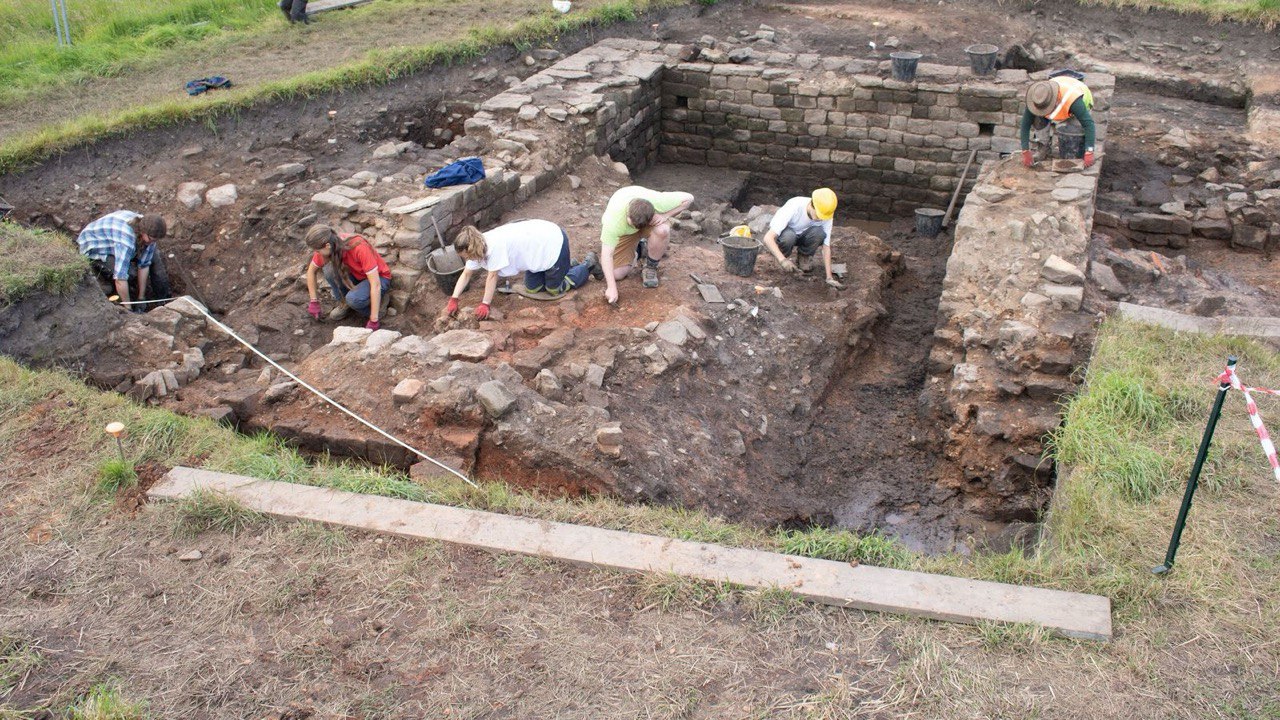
(1262, 12)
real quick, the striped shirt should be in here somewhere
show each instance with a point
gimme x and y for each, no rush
(111, 236)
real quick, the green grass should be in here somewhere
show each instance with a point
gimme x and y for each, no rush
(115, 475)
(36, 260)
(18, 657)
(205, 510)
(377, 67)
(105, 701)
(109, 37)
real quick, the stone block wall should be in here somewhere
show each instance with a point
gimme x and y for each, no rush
(886, 147)
(1012, 328)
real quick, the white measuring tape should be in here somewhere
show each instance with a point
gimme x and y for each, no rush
(204, 311)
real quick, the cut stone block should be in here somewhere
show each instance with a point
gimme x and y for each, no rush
(495, 397)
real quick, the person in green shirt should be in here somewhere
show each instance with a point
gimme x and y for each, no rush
(636, 228)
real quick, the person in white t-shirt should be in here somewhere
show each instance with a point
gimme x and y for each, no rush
(803, 224)
(537, 248)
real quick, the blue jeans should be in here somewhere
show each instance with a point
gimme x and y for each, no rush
(560, 277)
(357, 298)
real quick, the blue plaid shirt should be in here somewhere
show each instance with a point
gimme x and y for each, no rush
(111, 236)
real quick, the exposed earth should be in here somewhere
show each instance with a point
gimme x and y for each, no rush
(793, 410)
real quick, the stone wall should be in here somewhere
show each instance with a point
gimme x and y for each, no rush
(886, 147)
(1012, 329)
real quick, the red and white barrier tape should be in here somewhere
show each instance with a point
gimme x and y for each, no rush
(1268, 447)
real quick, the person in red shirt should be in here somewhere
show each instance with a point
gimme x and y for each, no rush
(360, 278)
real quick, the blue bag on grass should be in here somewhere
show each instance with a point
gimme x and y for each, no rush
(461, 172)
(195, 87)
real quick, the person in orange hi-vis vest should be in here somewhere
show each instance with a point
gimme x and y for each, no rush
(1057, 100)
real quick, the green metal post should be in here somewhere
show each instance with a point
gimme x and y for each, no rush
(1194, 480)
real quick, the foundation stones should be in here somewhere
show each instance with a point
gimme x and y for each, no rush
(1057, 270)
(467, 345)
(379, 340)
(406, 391)
(191, 194)
(594, 375)
(548, 385)
(344, 335)
(221, 196)
(609, 439)
(495, 397)
(673, 332)
(331, 202)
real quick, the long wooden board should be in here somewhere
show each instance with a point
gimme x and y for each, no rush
(316, 6)
(825, 581)
(1265, 327)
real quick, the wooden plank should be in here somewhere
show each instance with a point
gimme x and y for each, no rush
(316, 6)
(825, 581)
(1265, 327)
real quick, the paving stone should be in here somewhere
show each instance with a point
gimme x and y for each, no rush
(609, 439)
(1105, 278)
(495, 397)
(411, 345)
(348, 192)
(1160, 224)
(1062, 296)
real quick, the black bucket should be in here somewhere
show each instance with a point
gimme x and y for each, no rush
(740, 255)
(904, 65)
(446, 280)
(1070, 139)
(929, 221)
(982, 58)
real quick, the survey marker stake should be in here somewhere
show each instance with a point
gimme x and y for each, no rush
(1224, 384)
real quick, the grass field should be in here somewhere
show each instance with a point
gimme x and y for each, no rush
(1263, 12)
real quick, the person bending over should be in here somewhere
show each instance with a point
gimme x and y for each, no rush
(804, 224)
(357, 274)
(635, 229)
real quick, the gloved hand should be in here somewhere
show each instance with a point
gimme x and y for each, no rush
(1088, 158)
(451, 308)
(313, 309)
(832, 282)
(372, 325)
(1026, 158)
(789, 266)
(482, 311)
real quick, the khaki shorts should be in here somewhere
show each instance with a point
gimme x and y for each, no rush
(624, 253)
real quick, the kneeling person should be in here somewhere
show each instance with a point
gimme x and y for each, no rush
(803, 224)
(537, 248)
(357, 274)
(121, 246)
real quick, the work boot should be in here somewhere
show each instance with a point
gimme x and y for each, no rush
(340, 312)
(805, 262)
(593, 263)
(649, 275)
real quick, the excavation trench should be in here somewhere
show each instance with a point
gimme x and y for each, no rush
(913, 402)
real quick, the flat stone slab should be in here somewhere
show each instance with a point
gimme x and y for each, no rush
(1224, 325)
(316, 6)
(826, 581)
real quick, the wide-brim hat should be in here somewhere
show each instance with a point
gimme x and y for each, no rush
(1042, 96)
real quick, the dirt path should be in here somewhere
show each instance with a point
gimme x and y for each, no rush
(332, 39)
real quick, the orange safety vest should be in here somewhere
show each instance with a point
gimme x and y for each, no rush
(1069, 90)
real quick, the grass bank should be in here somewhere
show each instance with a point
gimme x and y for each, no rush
(36, 260)
(376, 67)
(1261, 12)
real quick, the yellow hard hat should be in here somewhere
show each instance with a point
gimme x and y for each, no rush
(824, 203)
(741, 231)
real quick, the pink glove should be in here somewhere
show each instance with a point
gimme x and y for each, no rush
(452, 308)
(313, 309)
(1088, 158)
(373, 325)
(482, 311)
(1026, 158)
